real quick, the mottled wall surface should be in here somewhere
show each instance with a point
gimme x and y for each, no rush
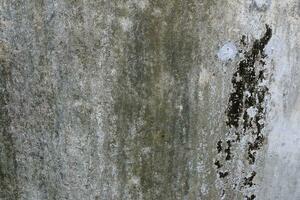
(149, 99)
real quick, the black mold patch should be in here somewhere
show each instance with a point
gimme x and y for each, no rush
(248, 93)
(253, 147)
(248, 181)
(223, 193)
(243, 40)
(245, 79)
(218, 164)
(252, 197)
(219, 146)
(227, 150)
(223, 174)
(251, 156)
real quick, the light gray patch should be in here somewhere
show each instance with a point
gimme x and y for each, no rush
(262, 5)
(227, 52)
(126, 24)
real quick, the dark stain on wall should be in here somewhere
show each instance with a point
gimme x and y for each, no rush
(227, 150)
(248, 181)
(248, 93)
(252, 197)
(157, 48)
(246, 79)
(219, 146)
(223, 174)
(8, 163)
(218, 164)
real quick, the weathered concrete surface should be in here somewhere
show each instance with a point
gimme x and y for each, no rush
(149, 99)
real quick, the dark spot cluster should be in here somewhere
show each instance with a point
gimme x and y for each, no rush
(252, 197)
(228, 150)
(243, 40)
(253, 147)
(223, 174)
(247, 93)
(218, 164)
(246, 90)
(219, 146)
(248, 181)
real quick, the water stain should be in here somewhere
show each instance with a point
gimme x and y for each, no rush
(158, 48)
(8, 163)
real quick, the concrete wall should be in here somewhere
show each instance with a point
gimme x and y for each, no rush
(149, 99)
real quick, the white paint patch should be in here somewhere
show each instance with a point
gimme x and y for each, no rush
(204, 77)
(251, 112)
(180, 108)
(238, 78)
(126, 24)
(227, 52)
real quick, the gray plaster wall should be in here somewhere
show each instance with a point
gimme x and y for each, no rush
(149, 99)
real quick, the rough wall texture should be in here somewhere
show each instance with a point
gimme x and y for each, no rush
(149, 99)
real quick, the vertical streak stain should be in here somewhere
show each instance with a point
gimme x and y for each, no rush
(8, 163)
(152, 101)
